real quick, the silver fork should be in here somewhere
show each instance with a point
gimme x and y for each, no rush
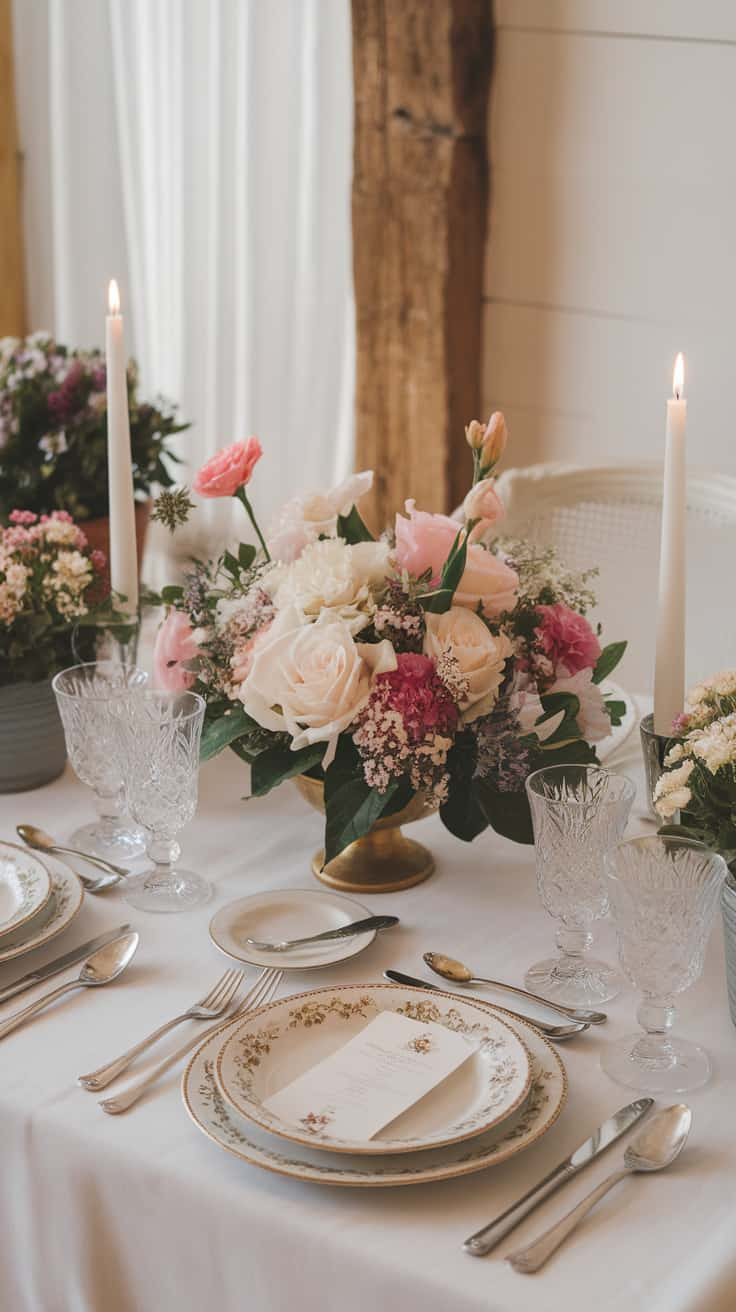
(212, 1005)
(261, 993)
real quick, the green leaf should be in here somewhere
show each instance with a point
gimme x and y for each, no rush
(352, 808)
(277, 764)
(352, 529)
(220, 733)
(616, 711)
(608, 660)
(171, 594)
(439, 600)
(230, 564)
(246, 555)
(507, 813)
(462, 813)
(573, 752)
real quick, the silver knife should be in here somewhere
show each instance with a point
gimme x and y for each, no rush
(60, 963)
(484, 1240)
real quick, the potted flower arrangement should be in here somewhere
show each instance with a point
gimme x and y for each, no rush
(53, 435)
(696, 793)
(432, 668)
(47, 571)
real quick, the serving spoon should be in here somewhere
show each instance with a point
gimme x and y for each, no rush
(102, 967)
(40, 841)
(458, 973)
(654, 1148)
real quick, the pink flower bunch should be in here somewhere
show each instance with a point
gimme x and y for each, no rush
(407, 727)
(566, 640)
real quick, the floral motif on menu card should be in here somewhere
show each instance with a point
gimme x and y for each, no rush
(316, 1122)
(423, 1043)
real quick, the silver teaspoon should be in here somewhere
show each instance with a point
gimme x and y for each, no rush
(40, 841)
(459, 973)
(102, 967)
(654, 1148)
(555, 1032)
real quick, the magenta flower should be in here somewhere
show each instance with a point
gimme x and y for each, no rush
(566, 639)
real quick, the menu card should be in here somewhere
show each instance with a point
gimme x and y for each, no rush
(387, 1067)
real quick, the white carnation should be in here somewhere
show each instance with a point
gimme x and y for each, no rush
(331, 577)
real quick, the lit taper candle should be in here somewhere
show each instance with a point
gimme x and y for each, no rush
(123, 553)
(669, 670)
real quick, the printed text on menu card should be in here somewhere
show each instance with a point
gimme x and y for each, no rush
(371, 1079)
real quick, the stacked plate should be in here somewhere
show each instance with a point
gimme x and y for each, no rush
(36, 904)
(503, 1098)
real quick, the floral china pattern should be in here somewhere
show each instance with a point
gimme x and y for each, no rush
(65, 903)
(502, 1073)
(31, 880)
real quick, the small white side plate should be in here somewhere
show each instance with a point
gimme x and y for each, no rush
(285, 914)
(25, 888)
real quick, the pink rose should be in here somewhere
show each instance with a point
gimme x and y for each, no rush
(175, 644)
(229, 469)
(423, 542)
(567, 639)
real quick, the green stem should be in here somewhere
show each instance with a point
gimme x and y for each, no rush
(242, 495)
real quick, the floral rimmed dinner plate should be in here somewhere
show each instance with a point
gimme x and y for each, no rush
(281, 1041)
(25, 888)
(289, 913)
(216, 1119)
(62, 907)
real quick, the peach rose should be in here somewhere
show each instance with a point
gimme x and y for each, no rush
(229, 469)
(423, 542)
(480, 655)
(311, 680)
(175, 644)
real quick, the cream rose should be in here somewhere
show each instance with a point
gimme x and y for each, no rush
(311, 680)
(479, 654)
(306, 519)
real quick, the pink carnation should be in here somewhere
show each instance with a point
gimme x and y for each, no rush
(566, 639)
(415, 690)
(175, 644)
(22, 517)
(229, 469)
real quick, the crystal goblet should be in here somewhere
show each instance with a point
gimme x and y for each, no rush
(663, 892)
(158, 736)
(84, 695)
(578, 812)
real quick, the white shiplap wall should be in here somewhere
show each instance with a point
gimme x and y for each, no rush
(613, 226)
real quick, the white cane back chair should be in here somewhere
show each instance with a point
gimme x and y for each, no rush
(610, 517)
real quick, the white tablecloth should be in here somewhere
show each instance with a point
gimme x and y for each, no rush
(141, 1213)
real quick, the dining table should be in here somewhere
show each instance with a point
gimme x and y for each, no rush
(142, 1213)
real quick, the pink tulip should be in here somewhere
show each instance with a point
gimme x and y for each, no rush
(229, 469)
(175, 644)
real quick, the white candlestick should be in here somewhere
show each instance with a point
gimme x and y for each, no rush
(669, 671)
(123, 552)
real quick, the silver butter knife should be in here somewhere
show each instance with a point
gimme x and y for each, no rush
(60, 963)
(345, 931)
(484, 1240)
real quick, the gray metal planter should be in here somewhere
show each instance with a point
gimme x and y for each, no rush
(32, 750)
(728, 906)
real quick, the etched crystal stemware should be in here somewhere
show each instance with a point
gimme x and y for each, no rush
(85, 694)
(158, 737)
(578, 812)
(664, 892)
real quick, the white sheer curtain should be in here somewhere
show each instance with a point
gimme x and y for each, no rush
(200, 151)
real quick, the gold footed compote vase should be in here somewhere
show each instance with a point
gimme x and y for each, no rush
(384, 861)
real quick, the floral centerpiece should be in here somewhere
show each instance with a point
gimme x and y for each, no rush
(699, 779)
(53, 430)
(47, 618)
(439, 661)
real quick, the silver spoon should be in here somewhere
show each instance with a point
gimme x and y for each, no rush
(655, 1147)
(101, 967)
(458, 973)
(40, 841)
(555, 1032)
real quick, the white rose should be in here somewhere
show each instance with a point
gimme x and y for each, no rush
(480, 656)
(331, 576)
(307, 519)
(592, 716)
(311, 681)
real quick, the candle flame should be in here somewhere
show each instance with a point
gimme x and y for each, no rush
(113, 298)
(678, 377)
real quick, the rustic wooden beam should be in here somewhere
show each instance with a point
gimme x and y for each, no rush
(422, 72)
(12, 283)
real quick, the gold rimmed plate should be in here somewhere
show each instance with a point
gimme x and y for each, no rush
(61, 909)
(25, 889)
(281, 1041)
(288, 913)
(242, 1139)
